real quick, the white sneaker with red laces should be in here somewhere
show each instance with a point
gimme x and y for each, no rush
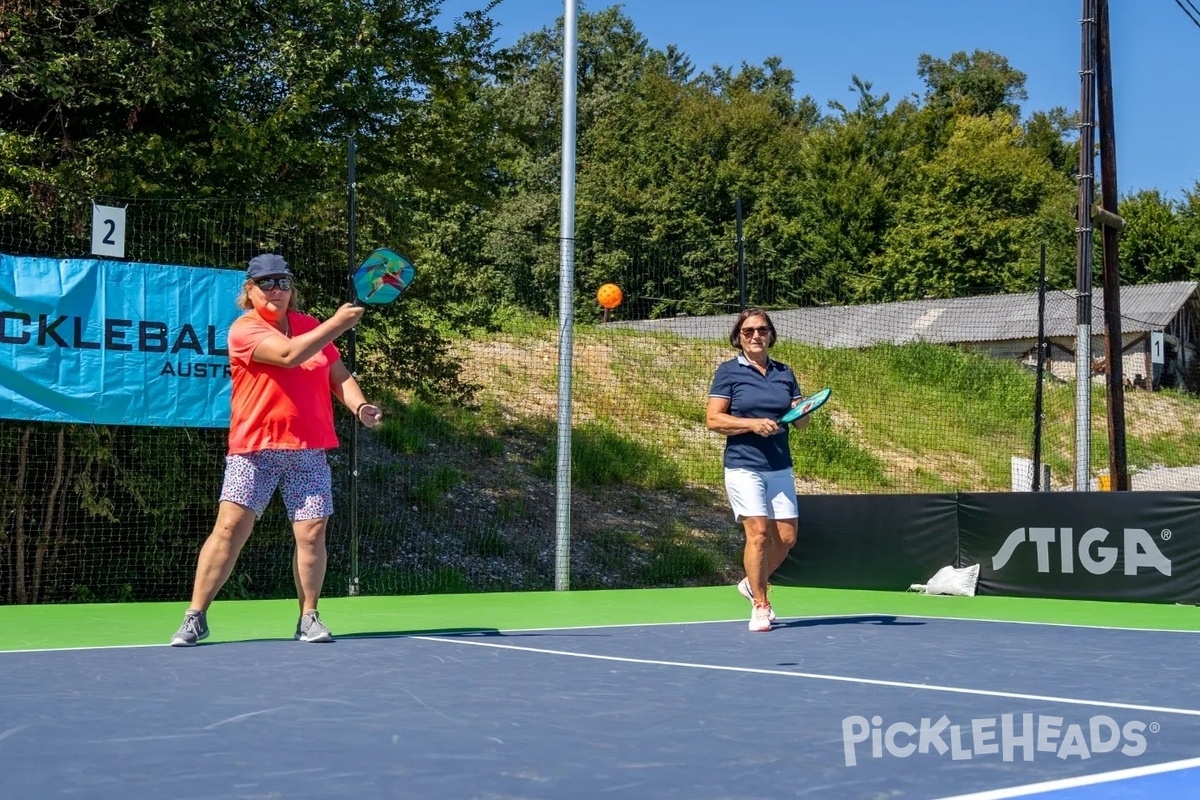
(760, 617)
(743, 588)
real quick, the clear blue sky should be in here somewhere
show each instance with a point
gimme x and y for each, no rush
(1155, 47)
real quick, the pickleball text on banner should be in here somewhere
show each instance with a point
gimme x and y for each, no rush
(115, 343)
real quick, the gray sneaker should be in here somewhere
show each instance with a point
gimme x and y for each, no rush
(193, 629)
(310, 629)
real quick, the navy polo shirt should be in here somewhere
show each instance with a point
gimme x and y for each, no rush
(755, 395)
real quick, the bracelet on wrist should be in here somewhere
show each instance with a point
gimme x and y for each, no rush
(361, 406)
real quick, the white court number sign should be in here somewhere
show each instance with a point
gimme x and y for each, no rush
(108, 231)
(1156, 347)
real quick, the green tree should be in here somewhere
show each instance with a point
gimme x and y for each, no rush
(521, 232)
(1155, 245)
(977, 217)
(1189, 221)
(977, 84)
(825, 217)
(1054, 135)
(651, 147)
(133, 97)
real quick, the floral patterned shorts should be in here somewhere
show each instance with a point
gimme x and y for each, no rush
(301, 475)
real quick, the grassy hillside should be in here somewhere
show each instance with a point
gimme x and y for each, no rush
(910, 418)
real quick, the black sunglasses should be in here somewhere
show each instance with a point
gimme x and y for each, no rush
(267, 284)
(748, 332)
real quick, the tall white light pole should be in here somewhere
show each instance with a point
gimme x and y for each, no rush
(566, 302)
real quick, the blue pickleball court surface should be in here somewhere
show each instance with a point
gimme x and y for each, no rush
(846, 707)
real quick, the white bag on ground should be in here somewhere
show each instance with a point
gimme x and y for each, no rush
(949, 580)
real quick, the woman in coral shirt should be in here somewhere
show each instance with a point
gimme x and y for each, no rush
(285, 370)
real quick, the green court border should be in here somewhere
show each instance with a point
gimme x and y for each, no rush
(137, 624)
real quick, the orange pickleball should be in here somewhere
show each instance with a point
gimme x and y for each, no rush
(609, 296)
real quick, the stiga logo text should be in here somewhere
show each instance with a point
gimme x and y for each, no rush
(1008, 737)
(1137, 549)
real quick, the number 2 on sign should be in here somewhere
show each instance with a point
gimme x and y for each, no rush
(108, 231)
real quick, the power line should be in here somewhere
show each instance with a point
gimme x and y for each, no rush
(1195, 19)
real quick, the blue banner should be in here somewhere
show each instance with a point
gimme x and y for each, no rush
(115, 343)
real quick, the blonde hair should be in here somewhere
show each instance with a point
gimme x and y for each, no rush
(243, 299)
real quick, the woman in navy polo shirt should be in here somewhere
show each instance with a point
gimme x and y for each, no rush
(748, 394)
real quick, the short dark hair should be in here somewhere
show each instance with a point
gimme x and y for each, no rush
(735, 335)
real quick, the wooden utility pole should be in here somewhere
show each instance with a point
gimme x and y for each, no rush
(1110, 224)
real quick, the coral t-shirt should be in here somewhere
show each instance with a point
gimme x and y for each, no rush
(278, 408)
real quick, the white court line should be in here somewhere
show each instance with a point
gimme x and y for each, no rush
(929, 687)
(1074, 783)
(87, 647)
(1046, 624)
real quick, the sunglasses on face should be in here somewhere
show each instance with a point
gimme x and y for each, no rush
(749, 332)
(267, 284)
